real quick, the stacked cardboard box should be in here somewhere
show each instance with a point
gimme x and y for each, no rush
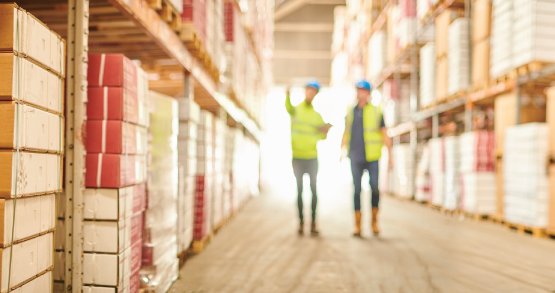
(451, 172)
(459, 56)
(189, 115)
(478, 194)
(194, 14)
(116, 146)
(404, 169)
(159, 259)
(204, 179)
(228, 172)
(218, 136)
(442, 23)
(525, 172)
(407, 23)
(502, 31)
(533, 37)
(422, 193)
(31, 145)
(377, 55)
(427, 75)
(437, 167)
(481, 28)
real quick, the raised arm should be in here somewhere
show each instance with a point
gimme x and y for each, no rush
(288, 105)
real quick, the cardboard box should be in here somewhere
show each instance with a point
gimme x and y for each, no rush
(114, 171)
(442, 22)
(111, 236)
(109, 269)
(42, 284)
(112, 70)
(34, 215)
(38, 130)
(115, 137)
(505, 116)
(23, 33)
(22, 80)
(114, 204)
(480, 63)
(551, 213)
(36, 173)
(442, 69)
(112, 103)
(29, 259)
(132, 284)
(481, 16)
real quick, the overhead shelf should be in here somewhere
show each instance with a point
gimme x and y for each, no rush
(440, 108)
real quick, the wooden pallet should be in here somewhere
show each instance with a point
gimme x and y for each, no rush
(192, 40)
(536, 232)
(167, 13)
(199, 245)
(477, 217)
(449, 212)
(533, 66)
(182, 257)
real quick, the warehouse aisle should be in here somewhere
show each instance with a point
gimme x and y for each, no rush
(420, 250)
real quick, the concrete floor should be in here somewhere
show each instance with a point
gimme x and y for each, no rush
(420, 250)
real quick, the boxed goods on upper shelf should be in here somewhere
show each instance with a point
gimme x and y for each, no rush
(26, 36)
(114, 204)
(428, 75)
(458, 56)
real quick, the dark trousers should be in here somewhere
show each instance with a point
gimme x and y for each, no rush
(357, 168)
(300, 167)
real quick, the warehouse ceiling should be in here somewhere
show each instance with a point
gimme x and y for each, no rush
(302, 38)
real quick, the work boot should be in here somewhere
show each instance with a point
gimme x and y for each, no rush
(313, 229)
(358, 220)
(375, 228)
(301, 228)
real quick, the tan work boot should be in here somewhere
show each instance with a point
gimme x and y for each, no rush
(313, 229)
(358, 220)
(375, 228)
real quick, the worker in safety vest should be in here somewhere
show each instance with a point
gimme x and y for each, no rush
(307, 128)
(365, 134)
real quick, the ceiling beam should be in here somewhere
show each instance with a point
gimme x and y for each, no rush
(309, 27)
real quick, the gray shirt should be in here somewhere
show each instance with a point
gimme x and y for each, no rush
(357, 152)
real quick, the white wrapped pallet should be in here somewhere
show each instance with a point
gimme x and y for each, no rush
(452, 173)
(459, 56)
(533, 37)
(422, 183)
(403, 167)
(525, 176)
(427, 74)
(377, 60)
(437, 171)
(478, 186)
(502, 31)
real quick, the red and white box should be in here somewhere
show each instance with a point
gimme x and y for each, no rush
(112, 269)
(115, 137)
(112, 103)
(114, 171)
(112, 70)
(110, 236)
(114, 203)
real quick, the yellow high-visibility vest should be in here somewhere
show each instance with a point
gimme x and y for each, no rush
(305, 130)
(373, 138)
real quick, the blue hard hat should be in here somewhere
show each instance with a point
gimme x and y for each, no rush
(363, 84)
(314, 83)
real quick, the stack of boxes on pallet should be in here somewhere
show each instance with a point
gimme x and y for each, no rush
(377, 59)
(422, 183)
(159, 260)
(194, 17)
(442, 23)
(235, 49)
(31, 144)
(401, 28)
(204, 179)
(458, 56)
(481, 27)
(427, 74)
(451, 173)
(116, 146)
(478, 172)
(526, 181)
(228, 171)
(502, 30)
(404, 170)
(189, 116)
(436, 171)
(217, 187)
